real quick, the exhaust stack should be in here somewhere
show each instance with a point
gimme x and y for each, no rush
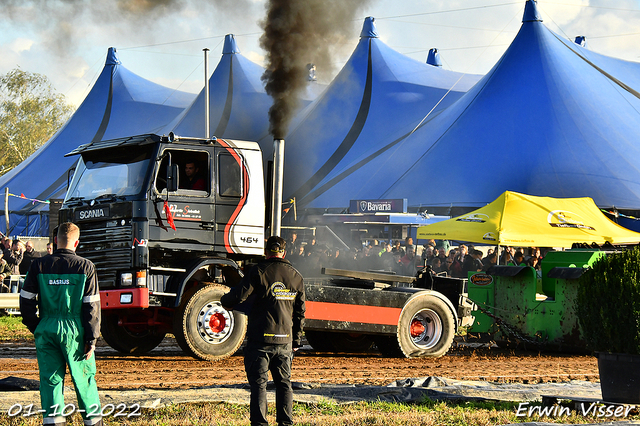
(278, 178)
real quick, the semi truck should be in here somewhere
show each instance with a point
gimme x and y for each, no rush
(166, 250)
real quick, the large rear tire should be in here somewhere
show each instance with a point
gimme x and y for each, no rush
(426, 327)
(204, 329)
(129, 340)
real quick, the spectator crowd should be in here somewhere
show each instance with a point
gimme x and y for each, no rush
(15, 259)
(404, 258)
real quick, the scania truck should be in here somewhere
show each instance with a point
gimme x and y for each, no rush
(165, 250)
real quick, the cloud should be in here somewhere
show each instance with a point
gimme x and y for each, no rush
(43, 36)
(65, 24)
(19, 45)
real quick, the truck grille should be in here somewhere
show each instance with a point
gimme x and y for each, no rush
(109, 248)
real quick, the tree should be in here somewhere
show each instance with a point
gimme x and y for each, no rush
(30, 113)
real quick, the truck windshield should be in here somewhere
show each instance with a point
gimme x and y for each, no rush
(101, 175)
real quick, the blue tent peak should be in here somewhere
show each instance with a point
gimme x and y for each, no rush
(434, 58)
(112, 57)
(230, 45)
(369, 28)
(581, 41)
(531, 13)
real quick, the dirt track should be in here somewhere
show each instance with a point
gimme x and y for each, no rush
(166, 367)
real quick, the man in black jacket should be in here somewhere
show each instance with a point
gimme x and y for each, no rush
(274, 330)
(13, 255)
(27, 257)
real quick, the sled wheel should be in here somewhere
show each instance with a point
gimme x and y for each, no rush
(426, 327)
(132, 340)
(331, 341)
(388, 346)
(206, 330)
(351, 342)
(320, 341)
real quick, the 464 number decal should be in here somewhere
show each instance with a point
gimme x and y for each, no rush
(250, 240)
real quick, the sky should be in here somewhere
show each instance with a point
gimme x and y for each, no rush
(162, 40)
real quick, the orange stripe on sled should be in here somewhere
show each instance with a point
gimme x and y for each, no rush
(352, 313)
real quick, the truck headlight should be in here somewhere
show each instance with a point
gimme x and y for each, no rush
(126, 279)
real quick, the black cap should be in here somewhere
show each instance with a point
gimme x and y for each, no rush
(276, 244)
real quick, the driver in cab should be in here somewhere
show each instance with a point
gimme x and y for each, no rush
(193, 180)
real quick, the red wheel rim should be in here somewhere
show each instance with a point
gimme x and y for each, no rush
(417, 328)
(217, 322)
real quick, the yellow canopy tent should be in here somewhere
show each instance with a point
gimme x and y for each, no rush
(515, 219)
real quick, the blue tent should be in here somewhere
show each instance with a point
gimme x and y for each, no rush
(238, 101)
(375, 98)
(119, 104)
(550, 119)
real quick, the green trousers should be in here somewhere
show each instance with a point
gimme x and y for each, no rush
(60, 342)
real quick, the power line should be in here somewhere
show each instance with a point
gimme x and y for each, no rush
(595, 7)
(614, 35)
(450, 26)
(559, 27)
(451, 10)
(155, 52)
(473, 47)
(386, 17)
(188, 41)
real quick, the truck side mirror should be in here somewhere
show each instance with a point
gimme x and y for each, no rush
(172, 178)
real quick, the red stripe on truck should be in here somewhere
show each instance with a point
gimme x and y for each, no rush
(352, 313)
(245, 191)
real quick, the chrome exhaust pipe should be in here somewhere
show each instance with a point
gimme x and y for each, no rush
(278, 184)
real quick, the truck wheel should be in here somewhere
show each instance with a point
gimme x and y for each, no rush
(426, 327)
(129, 340)
(204, 329)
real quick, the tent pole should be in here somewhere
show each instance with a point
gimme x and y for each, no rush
(6, 209)
(207, 131)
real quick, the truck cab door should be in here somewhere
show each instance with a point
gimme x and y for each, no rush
(191, 206)
(239, 197)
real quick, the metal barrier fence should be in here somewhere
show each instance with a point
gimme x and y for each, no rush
(11, 299)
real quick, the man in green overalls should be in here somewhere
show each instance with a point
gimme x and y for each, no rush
(63, 288)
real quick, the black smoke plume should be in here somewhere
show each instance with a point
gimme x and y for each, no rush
(298, 32)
